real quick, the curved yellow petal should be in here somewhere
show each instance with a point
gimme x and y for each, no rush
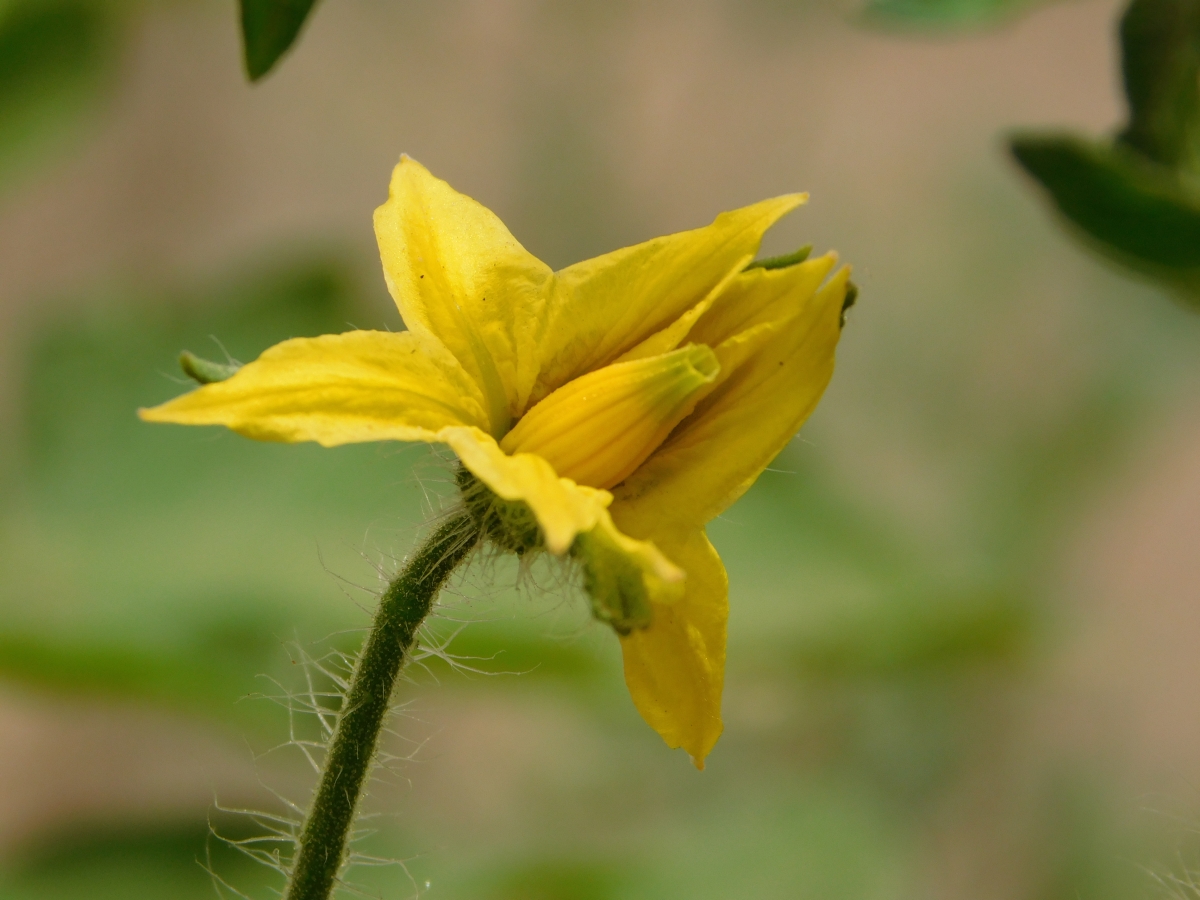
(718, 452)
(600, 427)
(600, 308)
(562, 507)
(760, 295)
(675, 668)
(674, 334)
(337, 389)
(456, 272)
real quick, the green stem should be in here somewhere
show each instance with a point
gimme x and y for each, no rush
(402, 608)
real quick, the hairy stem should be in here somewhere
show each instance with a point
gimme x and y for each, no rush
(403, 607)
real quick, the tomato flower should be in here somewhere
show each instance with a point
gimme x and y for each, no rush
(603, 412)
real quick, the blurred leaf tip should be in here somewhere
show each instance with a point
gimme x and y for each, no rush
(205, 371)
(1160, 44)
(1136, 199)
(269, 28)
(56, 62)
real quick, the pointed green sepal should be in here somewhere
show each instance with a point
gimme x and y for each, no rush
(615, 586)
(782, 262)
(850, 299)
(511, 524)
(205, 371)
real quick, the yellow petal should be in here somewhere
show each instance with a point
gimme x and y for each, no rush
(562, 507)
(456, 272)
(759, 295)
(602, 307)
(337, 389)
(675, 668)
(598, 428)
(758, 306)
(718, 452)
(673, 335)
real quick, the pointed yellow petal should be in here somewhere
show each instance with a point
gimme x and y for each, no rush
(759, 306)
(759, 295)
(337, 389)
(598, 428)
(456, 272)
(675, 668)
(562, 507)
(674, 334)
(602, 307)
(718, 452)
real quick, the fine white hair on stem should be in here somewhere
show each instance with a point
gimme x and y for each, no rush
(271, 838)
(313, 698)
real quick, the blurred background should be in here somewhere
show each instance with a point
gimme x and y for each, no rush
(962, 653)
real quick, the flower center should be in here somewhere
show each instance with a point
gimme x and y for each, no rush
(597, 429)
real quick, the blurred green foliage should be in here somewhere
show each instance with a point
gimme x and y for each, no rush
(1160, 57)
(944, 15)
(171, 862)
(1140, 213)
(129, 552)
(57, 60)
(1137, 199)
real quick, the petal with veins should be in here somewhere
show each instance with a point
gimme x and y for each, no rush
(600, 308)
(337, 389)
(456, 272)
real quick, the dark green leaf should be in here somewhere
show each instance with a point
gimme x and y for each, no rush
(54, 58)
(269, 28)
(1139, 213)
(1160, 42)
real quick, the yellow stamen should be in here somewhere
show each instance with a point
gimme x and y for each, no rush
(597, 429)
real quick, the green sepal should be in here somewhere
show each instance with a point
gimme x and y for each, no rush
(782, 262)
(510, 524)
(1160, 46)
(205, 371)
(848, 301)
(269, 28)
(615, 587)
(1141, 214)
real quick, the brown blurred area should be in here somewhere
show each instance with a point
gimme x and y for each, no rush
(591, 126)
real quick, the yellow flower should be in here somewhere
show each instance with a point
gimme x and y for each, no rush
(618, 405)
